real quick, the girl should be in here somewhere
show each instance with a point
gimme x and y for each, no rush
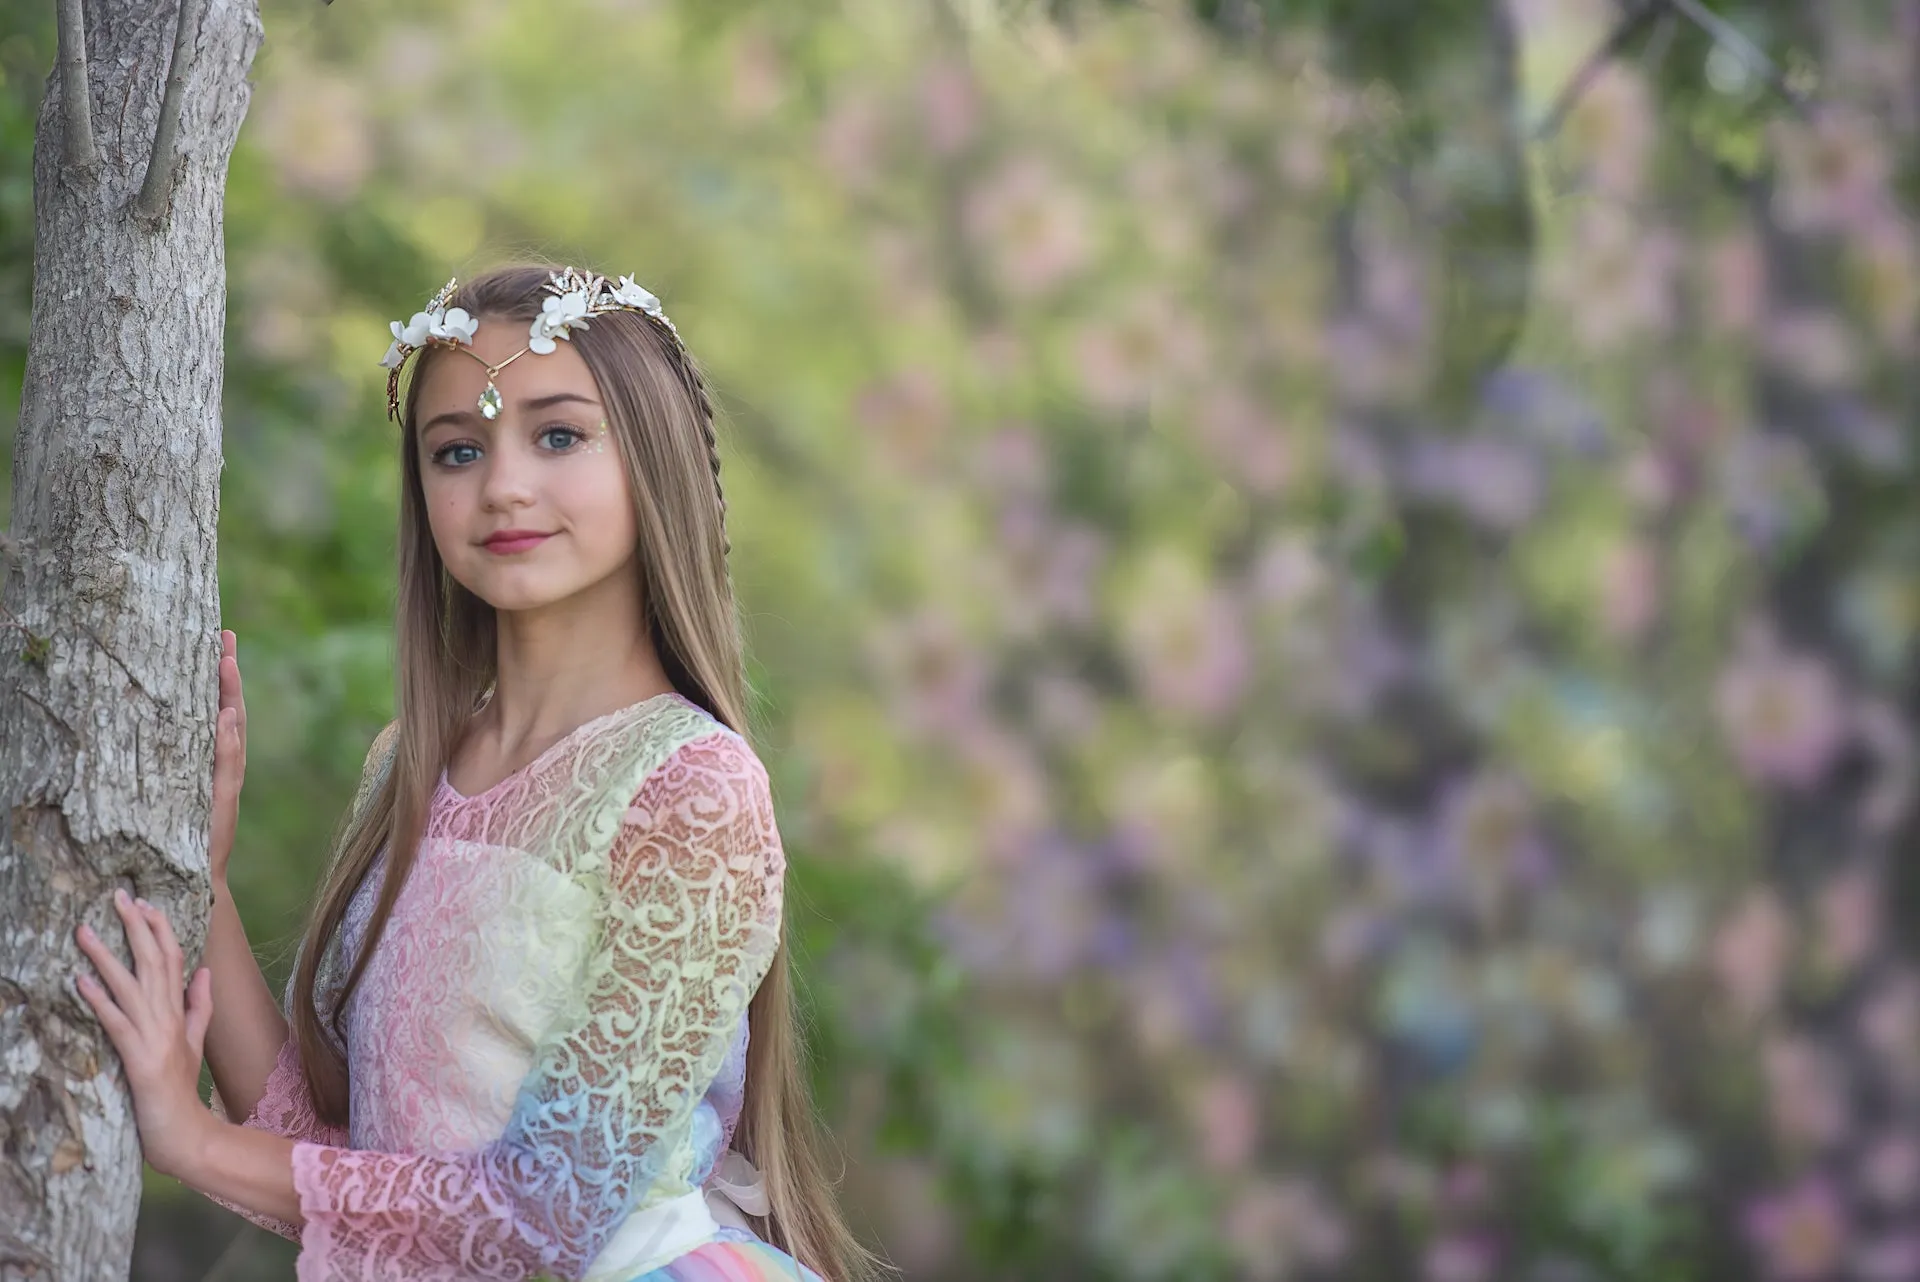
(540, 1022)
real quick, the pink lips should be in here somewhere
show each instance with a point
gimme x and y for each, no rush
(508, 541)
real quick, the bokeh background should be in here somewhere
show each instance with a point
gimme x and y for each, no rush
(1333, 584)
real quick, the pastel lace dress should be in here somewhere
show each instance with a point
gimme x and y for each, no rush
(547, 1052)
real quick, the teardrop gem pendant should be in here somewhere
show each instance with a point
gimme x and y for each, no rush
(490, 401)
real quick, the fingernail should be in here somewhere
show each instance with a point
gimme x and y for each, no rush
(143, 903)
(120, 897)
(86, 931)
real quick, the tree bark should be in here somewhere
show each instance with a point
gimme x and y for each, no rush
(109, 599)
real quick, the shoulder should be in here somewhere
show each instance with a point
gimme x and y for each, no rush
(711, 789)
(373, 771)
(382, 748)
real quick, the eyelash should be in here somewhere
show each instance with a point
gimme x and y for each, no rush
(438, 457)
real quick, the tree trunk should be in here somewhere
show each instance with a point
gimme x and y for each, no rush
(109, 643)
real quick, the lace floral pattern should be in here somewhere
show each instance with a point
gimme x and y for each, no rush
(550, 1034)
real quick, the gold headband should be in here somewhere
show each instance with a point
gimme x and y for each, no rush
(573, 297)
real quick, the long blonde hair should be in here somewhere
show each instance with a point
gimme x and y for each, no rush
(659, 411)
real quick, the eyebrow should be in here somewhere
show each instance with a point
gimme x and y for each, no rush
(532, 405)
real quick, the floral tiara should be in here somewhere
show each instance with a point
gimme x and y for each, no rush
(573, 297)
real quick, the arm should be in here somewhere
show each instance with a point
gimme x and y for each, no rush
(251, 1055)
(689, 922)
(248, 1030)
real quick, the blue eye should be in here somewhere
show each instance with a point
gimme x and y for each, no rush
(563, 430)
(440, 455)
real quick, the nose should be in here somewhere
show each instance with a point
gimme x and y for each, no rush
(508, 480)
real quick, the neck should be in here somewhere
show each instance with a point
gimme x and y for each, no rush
(569, 662)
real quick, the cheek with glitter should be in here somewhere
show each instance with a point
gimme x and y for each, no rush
(598, 445)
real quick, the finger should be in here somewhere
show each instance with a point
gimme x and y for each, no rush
(147, 961)
(229, 758)
(173, 962)
(199, 1010)
(125, 989)
(120, 1029)
(239, 698)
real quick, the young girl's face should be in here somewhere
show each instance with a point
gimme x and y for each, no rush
(546, 468)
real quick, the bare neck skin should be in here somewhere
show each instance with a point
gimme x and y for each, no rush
(561, 665)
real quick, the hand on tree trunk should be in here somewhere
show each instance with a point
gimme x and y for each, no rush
(229, 758)
(158, 1023)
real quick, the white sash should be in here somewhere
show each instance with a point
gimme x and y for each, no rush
(662, 1233)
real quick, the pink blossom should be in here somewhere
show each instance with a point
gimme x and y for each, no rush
(1613, 129)
(1614, 280)
(1498, 483)
(1815, 345)
(922, 1232)
(1046, 572)
(1848, 912)
(1893, 1258)
(1243, 440)
(950, 106)
(1800, 1232)
(1629, 589)
(937, 679)
(1771, 487)
(1064, 708)
(1652, 478)
(1187, 644)
(1288, 572)
(1833, 171)
(1750, 952)
(1006, 786)
(1227, 1118)
(316, 132)
(1890, 1170)
(1782, 712)
(1889, 1021)
(1013, 461)
(908, 413)
(1459, 1258)
(1034, 230)
(1466, 1188)
(1144, 347)
(1888, 275)
(1736, 281)
(1806, 1092)
(758, 82)
(1884, 733)
(1278, 1225)
(851, 136)
(1488, 832)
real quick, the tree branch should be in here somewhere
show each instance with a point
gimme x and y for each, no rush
(163, 165)
(1606, 51)
(1728, 36)
(76, 104)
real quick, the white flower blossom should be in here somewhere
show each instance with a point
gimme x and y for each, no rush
(557, 315)
(394, 355)
(416, 331)
(455, 326)
(633, 295)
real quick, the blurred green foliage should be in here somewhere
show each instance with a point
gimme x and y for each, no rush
(1339, 680)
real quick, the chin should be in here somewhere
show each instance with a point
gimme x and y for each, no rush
(516, 587)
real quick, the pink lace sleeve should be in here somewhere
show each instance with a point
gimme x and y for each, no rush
(689, 922)
(285, 1109)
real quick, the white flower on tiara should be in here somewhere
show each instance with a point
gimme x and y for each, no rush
(573, 297)
(632, 295)
(456, 326)
(416, 331)
(558, 314)
(450, 325)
